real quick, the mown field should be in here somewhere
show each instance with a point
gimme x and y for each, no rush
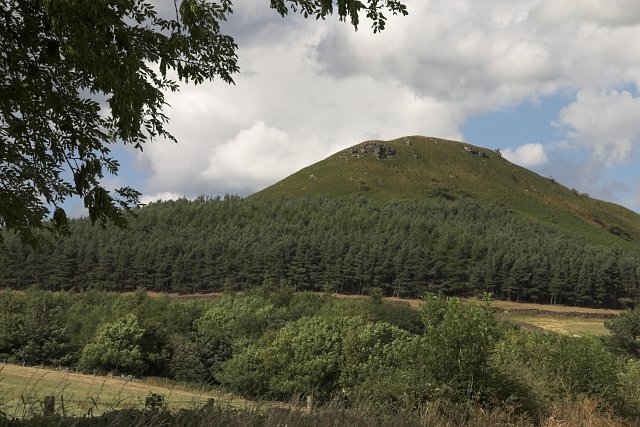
(23, 390)
(574, 321)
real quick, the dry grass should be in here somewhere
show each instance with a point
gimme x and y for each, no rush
(581, 413)
(511, 305)
(574, 326)
(587, 412)
(103, 395)
(22, 389)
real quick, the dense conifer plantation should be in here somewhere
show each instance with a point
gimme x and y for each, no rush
(404, 248)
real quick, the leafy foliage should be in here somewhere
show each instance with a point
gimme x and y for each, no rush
(117, 347)
(332, 350)
(625, 332)
(62, 60)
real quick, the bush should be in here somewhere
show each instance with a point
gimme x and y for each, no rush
(459, 340)
(558, 366)
(244, 373)
(213, 348)
(117, 347)
(238, 316)
(42, 332)
(185, 363)
(625, 332)
(629, 388)
(305, 356)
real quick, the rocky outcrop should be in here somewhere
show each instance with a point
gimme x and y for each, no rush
(375, 149)
(474, 152)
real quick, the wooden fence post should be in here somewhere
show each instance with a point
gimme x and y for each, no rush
(49, 405)
(309, 403)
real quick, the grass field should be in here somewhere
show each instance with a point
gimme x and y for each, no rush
(575, 326)
(23, 389)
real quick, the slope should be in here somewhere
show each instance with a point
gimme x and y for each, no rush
(422, 168)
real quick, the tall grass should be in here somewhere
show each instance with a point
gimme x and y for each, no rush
(581, 413)
(118, 409)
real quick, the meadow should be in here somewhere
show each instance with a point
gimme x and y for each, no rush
(24, 389)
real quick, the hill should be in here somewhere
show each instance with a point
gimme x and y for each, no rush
(420, 168)
(407, 216)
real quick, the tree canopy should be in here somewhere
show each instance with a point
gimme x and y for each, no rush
(81, 75)
(404, 248)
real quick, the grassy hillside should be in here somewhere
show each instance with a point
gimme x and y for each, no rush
(419, 168)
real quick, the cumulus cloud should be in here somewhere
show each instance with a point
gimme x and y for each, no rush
(255, 158)
(307, 89)
(148, 198)
(602, 12)
(527, 155)
(604, 122)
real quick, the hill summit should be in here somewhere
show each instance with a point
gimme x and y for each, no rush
(421, 168)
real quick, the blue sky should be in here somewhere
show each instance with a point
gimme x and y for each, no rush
(553, 84)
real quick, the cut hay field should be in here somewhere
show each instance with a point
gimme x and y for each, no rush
(23, 389)
(574, 326)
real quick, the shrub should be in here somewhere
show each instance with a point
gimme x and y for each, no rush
(625, 332)
(117, 347)
(244, 373)
(559, 366)
(185, 363)
(238, 316)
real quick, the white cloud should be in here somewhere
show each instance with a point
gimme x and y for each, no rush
(307, 88)
(603, 12)
(256, 157)
(604, 122)
(148, 198)
(280, 117)
(527, 155)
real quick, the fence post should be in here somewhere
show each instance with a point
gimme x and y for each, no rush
(49, 405)
(309, 403)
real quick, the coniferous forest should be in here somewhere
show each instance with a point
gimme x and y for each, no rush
(405, 248)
